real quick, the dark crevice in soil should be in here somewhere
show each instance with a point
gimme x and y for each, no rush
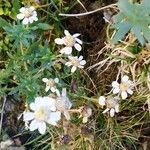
(93, 32)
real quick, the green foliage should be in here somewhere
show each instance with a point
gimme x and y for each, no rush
(9, 8)
(134, 17)
(28, 54)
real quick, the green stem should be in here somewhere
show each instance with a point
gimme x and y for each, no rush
(22, 52)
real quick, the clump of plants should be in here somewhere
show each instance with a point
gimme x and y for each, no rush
(43, 64)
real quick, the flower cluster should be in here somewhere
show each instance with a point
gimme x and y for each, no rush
(29, 15)
(123, 88)
(47, 110)
(71, 41)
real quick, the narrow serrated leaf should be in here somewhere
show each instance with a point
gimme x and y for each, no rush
(146, 32)
(44, 26)
(4, 23)
(123, 29)
(137, 31)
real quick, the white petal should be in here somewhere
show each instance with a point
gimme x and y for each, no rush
(69, 104)
(68, 64)
(25, 21)
(42, 127)
(47, 88)
(117, 108)
(20, 16)
(102, 100)
(64, 92)
(45, 80)
(33, 106)
(38, 100)
(49, 103)
(34, 125)
(130, 91)
(73, 69)
(54, 118)
(56, 80)
(115, 84)
(76, 35)
(125, 78)
(77, 47)
(80, 58)
(116, 90)
(81, 67)
(53, 89)
(124, 94)
(22, 10)
(112, 112)
(67, 115)
(57, 92)
(35, 18)
(32, 8)
(34, 13)
(66, 32)
(83, 62)
(31, 19)
(66, 50)
(85, 120)
(59, 41)
(28, 116)
(106, 110)
(79, 41)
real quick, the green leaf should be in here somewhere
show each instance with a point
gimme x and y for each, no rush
(146, 4)
(119, 17)
(125, 6)
(44, 26)
(4, 23)
(137, 32)
(146, 34)
(15, 9)
(124, 28)
(1, 11)
(135, 14)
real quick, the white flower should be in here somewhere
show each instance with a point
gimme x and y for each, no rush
(51, 84)
(75, 62)
(63, 104)
(27, 14)
(44, 111)
(102, 100)
(69, 41)
(111, 104)
(124, 87)
(85, 112)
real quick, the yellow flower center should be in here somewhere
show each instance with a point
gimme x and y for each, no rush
(51, 83)
(60, 104)
(41, 114)
(110, 103)
(69, 41)
(75, 62)
(124, 86)
(28, 13)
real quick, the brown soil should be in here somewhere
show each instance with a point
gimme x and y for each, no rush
(93, 31)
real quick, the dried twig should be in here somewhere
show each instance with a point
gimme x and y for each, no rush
(2, 114)
(88, 13)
